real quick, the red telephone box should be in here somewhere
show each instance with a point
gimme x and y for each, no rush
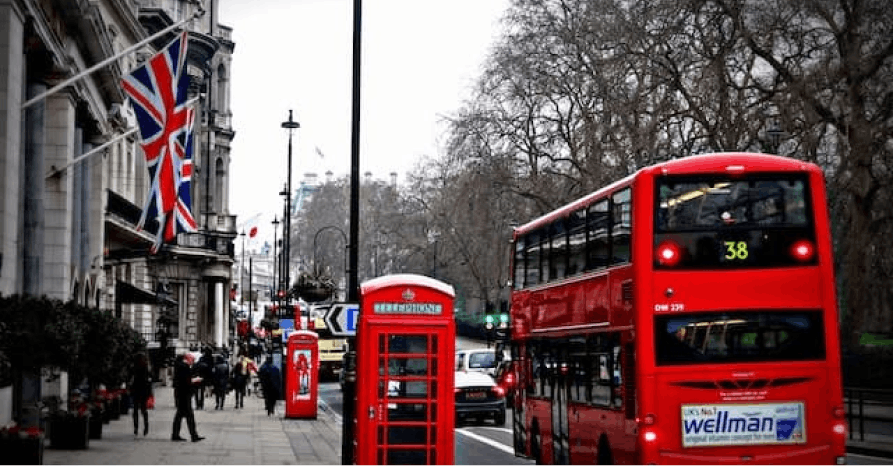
(406, 338)
(301, 385)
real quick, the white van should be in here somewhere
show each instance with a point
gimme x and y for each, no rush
(478, 360)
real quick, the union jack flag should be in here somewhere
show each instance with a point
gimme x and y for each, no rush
(157, 90)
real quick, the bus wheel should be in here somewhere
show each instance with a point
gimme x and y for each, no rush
(604, 452)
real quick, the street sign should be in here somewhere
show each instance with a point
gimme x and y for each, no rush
(342, 319)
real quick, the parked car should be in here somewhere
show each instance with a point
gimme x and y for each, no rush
(506, 378)
(477, 360)
(478, 396)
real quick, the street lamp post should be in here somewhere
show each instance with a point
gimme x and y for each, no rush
(242, 272)
(291, 126)
(275, 283)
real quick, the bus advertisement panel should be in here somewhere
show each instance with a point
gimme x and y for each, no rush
(684, 314)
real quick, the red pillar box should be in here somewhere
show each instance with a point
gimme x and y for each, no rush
(301, 384)
(405, 406)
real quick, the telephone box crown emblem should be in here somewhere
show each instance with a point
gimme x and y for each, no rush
(408, 295)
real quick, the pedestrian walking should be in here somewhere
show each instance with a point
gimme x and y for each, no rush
(270, 381)
(183, 387)
(140, 391)
(205, 369)
(221, 377)
(242, 375)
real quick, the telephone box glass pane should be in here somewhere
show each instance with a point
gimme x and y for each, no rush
(407, 411)
(408, 344)
(399, 435)
(414, 456)
(407, 389)
(407, 366)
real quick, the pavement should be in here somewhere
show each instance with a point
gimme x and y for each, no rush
(249, 436)
(232, 436)
(879, 442)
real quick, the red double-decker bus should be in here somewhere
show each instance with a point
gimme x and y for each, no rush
(684, 314)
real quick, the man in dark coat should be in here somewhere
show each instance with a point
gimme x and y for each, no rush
(140, 391)
(221, 377)
(204, 368)
(183, 386)
(270, 381)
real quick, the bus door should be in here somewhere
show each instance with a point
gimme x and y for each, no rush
(560, 427)
(406, 339)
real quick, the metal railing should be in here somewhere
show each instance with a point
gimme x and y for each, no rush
(863, 404)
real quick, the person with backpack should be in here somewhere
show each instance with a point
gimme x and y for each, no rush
(241, 374)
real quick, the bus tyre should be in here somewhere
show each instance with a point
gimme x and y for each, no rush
(499, 418)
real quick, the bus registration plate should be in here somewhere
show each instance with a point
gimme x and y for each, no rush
(743, 424)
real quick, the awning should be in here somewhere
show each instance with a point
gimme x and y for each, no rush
(126, 293)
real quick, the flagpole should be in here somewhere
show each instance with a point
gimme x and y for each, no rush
(55, 171)
(111, 59)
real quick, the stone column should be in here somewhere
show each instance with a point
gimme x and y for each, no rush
(60, 195)
(220, 323)
(11, 89)
(33, 194)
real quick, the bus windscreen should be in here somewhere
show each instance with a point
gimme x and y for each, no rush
(721, 222)
(760, 336)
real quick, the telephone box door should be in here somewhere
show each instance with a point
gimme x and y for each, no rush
(405, 413)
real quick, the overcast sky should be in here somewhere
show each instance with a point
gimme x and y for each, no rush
(420, 60)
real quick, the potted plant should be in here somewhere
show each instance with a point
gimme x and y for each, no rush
(21, 446)
(70, 429)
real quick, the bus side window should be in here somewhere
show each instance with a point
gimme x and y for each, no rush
(576, 226)
(617, 376)
(558, 254)
(520, 263)
(598, 248)
(532, 256)
(601, 380)
(545, 254)
(579, 385)
(621, 221)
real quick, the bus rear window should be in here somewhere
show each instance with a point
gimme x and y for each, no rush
(716, 222)
(756, 336)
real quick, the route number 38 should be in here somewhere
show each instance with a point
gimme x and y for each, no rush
(735, 250)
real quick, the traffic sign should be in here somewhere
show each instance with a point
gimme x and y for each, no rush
(342, 319)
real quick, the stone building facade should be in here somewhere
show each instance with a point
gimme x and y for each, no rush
(73, 178)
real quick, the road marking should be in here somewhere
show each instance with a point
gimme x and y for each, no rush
(498, 429)
(482, 439)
